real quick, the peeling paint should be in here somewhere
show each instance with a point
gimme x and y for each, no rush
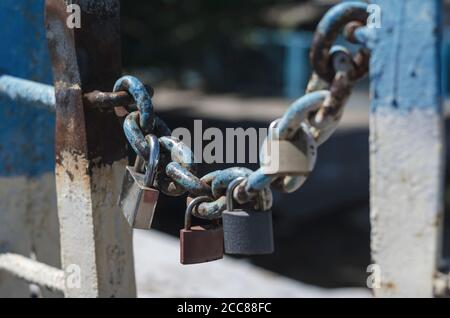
(28, 215)
(90, 151)
(407, 147)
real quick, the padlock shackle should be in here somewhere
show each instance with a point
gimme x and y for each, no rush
(273, 129)
(233, 184)
(194, 203)
(264, 199)
(153, 160)
(139, 164)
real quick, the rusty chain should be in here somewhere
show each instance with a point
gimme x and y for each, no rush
(316, 115)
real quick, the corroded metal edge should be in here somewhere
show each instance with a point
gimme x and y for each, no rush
(90, 149)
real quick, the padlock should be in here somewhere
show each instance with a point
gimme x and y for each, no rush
(247, 232)
(138, 198)
(288, 157)
(200, 244)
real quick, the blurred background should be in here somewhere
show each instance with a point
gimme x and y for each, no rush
(252, 48)
(240, 64)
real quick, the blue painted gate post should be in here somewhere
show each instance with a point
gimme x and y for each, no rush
(29, 223)
(407, 147)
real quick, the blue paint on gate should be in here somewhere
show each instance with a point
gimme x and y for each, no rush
(29, 92)
(26, 132)
(410, 79)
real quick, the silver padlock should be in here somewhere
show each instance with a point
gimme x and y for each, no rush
(138, 198)
(288, 157)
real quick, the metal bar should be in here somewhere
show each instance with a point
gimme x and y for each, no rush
(90, 149)
(42, 95)
(28, 216)
(33, 271)
(28, 92)
(407, 147)
(104, 100)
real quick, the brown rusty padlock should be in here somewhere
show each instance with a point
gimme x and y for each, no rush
(200, 244)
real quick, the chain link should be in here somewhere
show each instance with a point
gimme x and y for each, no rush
(316, 114)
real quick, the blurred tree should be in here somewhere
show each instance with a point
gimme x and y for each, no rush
(204, 36)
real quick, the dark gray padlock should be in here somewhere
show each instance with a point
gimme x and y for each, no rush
(247, 232)
(138, 198)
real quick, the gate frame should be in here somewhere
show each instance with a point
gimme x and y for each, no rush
(96, 240)
(406, 119)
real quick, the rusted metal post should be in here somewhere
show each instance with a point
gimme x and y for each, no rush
(407, 147)
(90, 149)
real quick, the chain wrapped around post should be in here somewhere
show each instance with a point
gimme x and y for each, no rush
(307, 123)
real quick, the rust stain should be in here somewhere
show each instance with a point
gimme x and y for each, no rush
(389, 285)
(85, 60)
(90, 145)
(326, 35)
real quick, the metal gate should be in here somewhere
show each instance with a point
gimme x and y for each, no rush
(406, 159)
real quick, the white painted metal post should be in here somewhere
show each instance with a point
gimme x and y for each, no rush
(407, 146)
(96, 241)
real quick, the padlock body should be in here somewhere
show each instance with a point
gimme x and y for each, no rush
(201, 244)
(288, 157)
(138, 202)
(248, 232)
